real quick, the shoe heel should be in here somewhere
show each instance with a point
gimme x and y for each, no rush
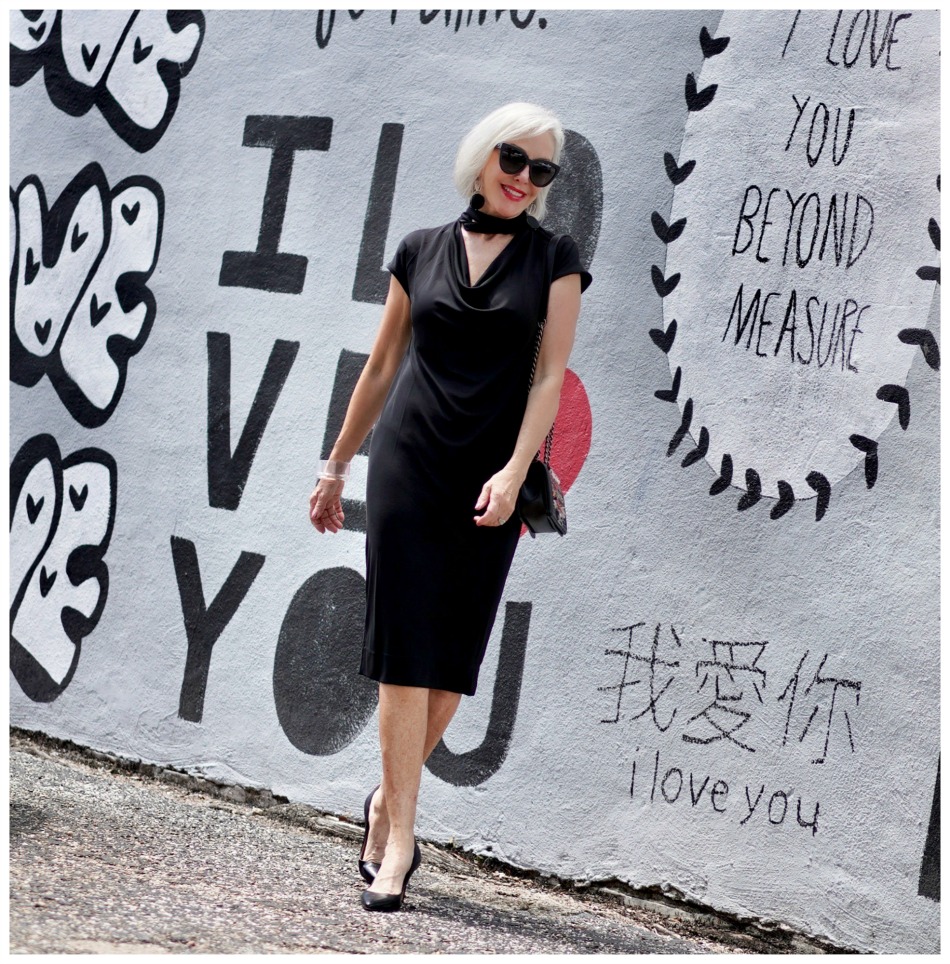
(390, 902)
(368, 868)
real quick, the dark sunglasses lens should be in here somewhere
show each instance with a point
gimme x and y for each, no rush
(511, 159)
(542, 173)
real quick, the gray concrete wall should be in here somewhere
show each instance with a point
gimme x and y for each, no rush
(725, 680)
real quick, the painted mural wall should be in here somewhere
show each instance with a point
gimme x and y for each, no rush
(725, 679)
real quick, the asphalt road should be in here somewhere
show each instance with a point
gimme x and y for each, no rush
(104, 860)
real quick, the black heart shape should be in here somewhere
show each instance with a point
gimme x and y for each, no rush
(677, 174)
(702, 447)
(901, 398)
(33, 509)
(664, 340)
(139, 53)
(97, 312)
(88, 58)
(698, 99)
(37, 32)
(667, 232)
(869, 448)
(753, 493)
(131, 213)
(669, 394)
(31, 268)
(680, 433)
(42, 331)
(725, 476)
(78, 499)
(786, 499)
(712, 46)
(32, 15)
(821, 485)
(663, 285)
(77, 239)
(46, 581)
(927, 342)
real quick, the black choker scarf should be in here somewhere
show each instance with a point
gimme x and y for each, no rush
(481, 223)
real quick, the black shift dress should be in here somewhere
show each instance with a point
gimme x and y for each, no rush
(433, 578)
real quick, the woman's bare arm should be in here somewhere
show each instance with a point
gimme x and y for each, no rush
(369, 395)
(500, 492)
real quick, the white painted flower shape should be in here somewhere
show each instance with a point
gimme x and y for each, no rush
(56, 255)
(129, 64)
(135, 80)
(79, 304)
(62, 515)
(100, 315)
(89, 41)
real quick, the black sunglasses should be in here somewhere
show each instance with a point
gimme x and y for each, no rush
(512, 160)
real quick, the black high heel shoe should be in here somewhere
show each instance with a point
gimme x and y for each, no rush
(373, 901)
(368, 868)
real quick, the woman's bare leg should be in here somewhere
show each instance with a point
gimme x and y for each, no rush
(403, 724)
(441, 707)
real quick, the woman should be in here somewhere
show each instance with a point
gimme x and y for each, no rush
(448, 380)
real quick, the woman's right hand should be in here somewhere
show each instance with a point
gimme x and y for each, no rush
(326, 509)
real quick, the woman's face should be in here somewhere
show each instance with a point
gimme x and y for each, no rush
(507, 195)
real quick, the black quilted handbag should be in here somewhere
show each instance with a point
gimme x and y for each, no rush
(541, 500)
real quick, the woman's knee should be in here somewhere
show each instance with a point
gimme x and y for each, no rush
(442, 700)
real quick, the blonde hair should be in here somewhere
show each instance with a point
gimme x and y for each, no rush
(506, 124)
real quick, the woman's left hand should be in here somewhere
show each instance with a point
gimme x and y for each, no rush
(498, 498)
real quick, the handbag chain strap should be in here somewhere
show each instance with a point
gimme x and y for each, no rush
(549, 271)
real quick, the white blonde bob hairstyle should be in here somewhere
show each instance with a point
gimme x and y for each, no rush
(508, 123)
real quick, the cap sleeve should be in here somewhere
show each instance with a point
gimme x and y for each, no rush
(567, 260)
(403, 262)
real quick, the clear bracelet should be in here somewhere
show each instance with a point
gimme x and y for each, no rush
(333, 470)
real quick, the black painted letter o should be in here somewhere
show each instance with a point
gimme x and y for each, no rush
(321, 700)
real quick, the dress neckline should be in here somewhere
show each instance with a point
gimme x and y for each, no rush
(461, 260)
